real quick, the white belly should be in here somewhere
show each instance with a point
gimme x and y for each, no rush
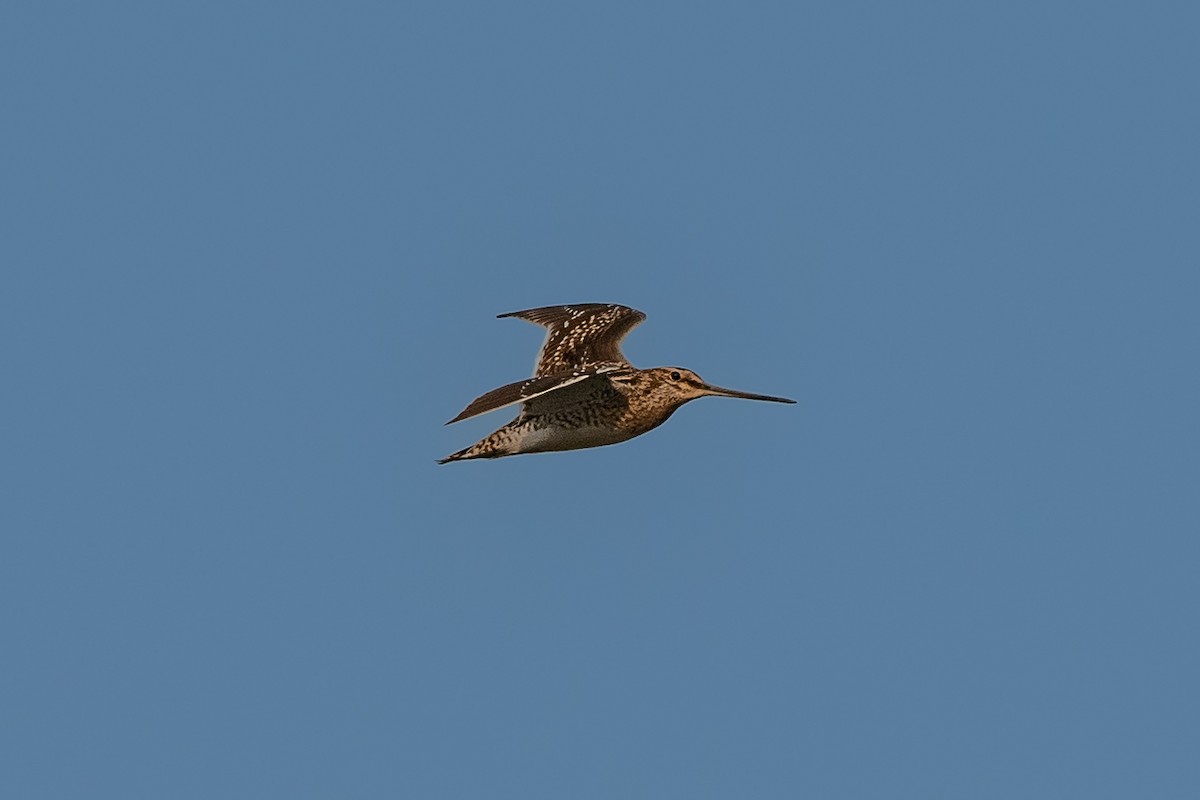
(536, 441)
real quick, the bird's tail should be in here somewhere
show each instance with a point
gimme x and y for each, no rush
(461, 455)
(495, 445)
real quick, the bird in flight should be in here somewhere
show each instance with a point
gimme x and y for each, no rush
(584, 393)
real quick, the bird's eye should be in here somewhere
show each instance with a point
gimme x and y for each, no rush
(674, 376)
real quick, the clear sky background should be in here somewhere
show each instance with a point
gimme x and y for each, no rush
(251, 255)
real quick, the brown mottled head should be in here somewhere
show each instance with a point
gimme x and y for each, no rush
(681, 385)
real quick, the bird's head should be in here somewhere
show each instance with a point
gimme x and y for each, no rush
(679, 385)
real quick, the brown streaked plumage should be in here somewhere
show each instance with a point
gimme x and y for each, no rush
(583, 392)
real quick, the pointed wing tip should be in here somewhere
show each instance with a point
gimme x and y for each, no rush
(518, 314)
(528, 314)
(531, 314)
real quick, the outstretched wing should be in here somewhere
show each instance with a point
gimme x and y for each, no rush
(581, 336)
(528, 389)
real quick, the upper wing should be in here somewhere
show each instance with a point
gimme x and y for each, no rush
(522, 391)
(581, 336)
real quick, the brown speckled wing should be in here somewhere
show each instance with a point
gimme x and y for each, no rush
(580, 336)
(520, 392)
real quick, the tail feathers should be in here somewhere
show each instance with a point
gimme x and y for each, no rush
(496, 445)
(461, 455)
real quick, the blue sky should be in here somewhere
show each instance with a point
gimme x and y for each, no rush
(252, 257)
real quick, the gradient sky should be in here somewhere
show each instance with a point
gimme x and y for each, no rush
(252, 254)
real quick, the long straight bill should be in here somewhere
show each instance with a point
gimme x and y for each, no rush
(720, 392)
